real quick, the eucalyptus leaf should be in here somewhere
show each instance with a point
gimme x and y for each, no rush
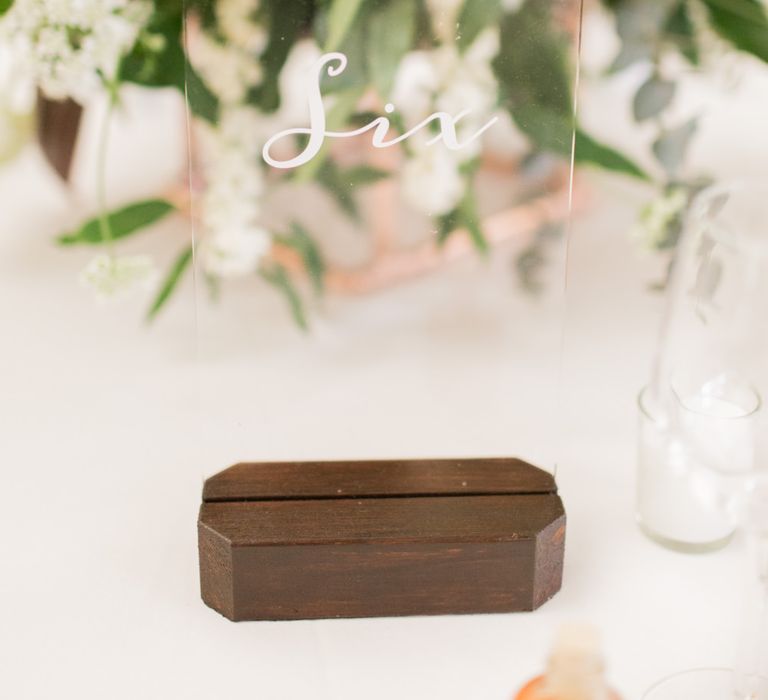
(475, 16)
(5, 5)
(122, 223)
(640, 25)
(391, 31)
(652, 98)
(744, 23)
(682, 32)
(670, 148)
(170, 283)
(300, 241)
(340, 18)
(276, 275)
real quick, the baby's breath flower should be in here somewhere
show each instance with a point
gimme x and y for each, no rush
(238, 26)
(71, 48)
(113, 277)
(233, 240)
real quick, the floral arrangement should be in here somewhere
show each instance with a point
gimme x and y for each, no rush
(241, 64)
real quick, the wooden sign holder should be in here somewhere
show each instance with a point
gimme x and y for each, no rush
(300, 540)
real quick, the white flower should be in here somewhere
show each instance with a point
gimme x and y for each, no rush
(233, 240)
(431, 180)
(234, 253)
(226, 69)
(238, 27)
(71, 47)
(448, 80)
(294, 78)
(115, 277)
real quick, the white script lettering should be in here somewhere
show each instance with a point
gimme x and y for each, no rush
(317, 131)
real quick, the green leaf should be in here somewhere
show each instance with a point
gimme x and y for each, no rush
(391, 31)
(278, 277)
(300, 241)
(202, 101)
(742, 22)
(343, 183)
(340, 18)
(553, 132)
(532, 66)
(329, 176)
(475, 16)
(170, 283)
(471, 220)
(652, 98)
(158, 67)
(338, 115)
(122, 222)
(463, 216)
(362, 175)
(168, 65)
(670, 148)
(5, 5)
(285, 27)
(589, 151)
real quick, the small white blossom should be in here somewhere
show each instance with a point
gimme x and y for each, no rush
(236, 21)
(71, 47)
(431, 181)
(226, 69)
(234, 252)
(113, 277)
(228, 63)
(445, 79)
(233, 240)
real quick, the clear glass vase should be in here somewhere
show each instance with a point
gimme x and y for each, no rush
(710, 452)
(713, 340)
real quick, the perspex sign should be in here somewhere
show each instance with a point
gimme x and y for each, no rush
(390, 175)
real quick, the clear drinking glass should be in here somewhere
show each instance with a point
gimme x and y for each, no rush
(706, 404)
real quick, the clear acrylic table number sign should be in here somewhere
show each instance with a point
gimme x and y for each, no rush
(341, 147)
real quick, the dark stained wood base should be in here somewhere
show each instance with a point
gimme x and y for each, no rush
(287, 541)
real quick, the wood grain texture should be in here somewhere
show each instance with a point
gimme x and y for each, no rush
(382, 520)
(407, 477)
(276, 545)
(309, 581)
